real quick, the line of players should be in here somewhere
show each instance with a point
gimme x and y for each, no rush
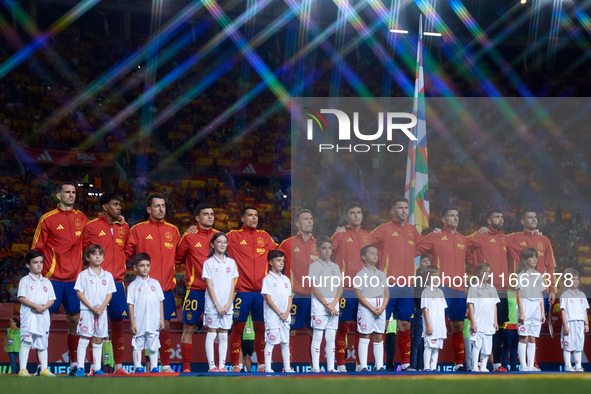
(63, 233)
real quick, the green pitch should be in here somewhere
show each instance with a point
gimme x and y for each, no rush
(432, 384)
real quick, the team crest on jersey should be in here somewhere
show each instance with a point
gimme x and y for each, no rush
(121, 232)
(228, 269)
(314, 250)
(78, 223)
(459, 239)
(490, 294)
(318, 321)
(261, 242)
(272, 337)
(286, 288)
(104, 282)
(363, 327)
(153, 288)
(45, 289)
(84, 329)
(365, 240)
(540, 245)
(168, 236)
(410, 234)
(522, 329)
(209, 320)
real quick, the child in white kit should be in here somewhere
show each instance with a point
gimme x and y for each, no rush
(433, 305)
(575, 321)
(482, 311)
(325, 303)
(276, 308)
(36, 295)
(373, 295)
(220, 273)
(530, 303)
(146, 313)
(94, 287)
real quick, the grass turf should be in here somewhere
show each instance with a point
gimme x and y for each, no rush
(433, 384)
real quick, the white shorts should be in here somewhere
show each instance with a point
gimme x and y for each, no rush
(367, 322)
(325, 322)
(483, 342)
(215, 320)
(574, 341)
(37, 341)
(93, 326)
(433, 343)
(275, 336)
(532, 324)
(147, 340)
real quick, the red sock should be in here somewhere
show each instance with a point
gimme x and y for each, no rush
(73, 347)
(186, 351)
(341, 347)
(164, 349)
(259, 341)
(117, 340)
(235, 340)
(457, 343)
(403, 341)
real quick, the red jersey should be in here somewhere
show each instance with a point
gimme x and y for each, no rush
(159, 241)
(449, 251)
(58, 237)
(346, 248)
(249, 248)
(112, 237)
(396, 246)
(491, 248)
(299, 254)
(526, 239)
(194, 250)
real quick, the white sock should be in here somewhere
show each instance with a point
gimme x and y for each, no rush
(531, 354)
(497, 366)
(117, 367)
(427, 357)
(97, 355)
(468, 344)
(315, 348)
(521, 350)
(137, 359)
(23, 355)
(329, 338)
(378, 354)
(209, 340)
(285, 354)
(82, 346)
(363, 351)
(268, 356)
(223, 349)
(434, 356)
(475, 354)
(153, 359)
(577, 359)
(483, 363)
(42, 354)
(566, 356)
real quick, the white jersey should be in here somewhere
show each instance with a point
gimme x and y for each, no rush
(222, 275)
(531, 285)
(484, 300)
(279, 288)
(39, 291)
(145, 296)
(575, 304)
(320, 274)
(434, 301)
(370, 283)
(95, 288)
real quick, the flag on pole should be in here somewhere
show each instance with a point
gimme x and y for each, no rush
(416, 188)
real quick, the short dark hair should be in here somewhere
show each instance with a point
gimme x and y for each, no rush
(425, 256)
(33, 254)
(243, 212)
(273, 254)
(365, 248)
(201, 207)
(322, 239)
(493, 210)
(151, 198)
(61, 186)
(90, 249)
(445, 210)
(107, 197)
(397, 200)
(297, 215)
(141, 257)
(17, 321)
(352, 205)
(213, 239)
(526, 211)
(431, 269)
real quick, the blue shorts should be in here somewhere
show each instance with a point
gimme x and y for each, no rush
(456, 304)
(248, 302)
(401, 303)
(193, 306)
(65, 293)
(117, 308)
(169, 305)
(348, 306)
(301, 308)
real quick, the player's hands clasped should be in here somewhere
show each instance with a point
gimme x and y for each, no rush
(284, 316)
